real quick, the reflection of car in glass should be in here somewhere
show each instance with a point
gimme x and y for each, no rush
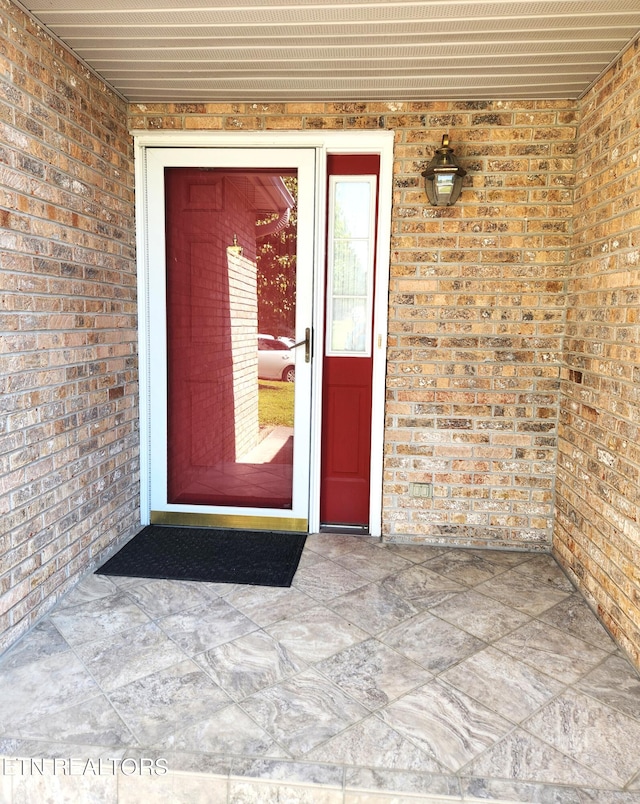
(275, 360)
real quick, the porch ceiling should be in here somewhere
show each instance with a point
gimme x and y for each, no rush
(305, 50)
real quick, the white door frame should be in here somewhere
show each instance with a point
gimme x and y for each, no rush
(339, 142)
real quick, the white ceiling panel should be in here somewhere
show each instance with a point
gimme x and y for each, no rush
(294, 50)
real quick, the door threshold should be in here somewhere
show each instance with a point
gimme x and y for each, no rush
(354, 530)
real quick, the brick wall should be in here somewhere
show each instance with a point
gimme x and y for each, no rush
(68, 405)
(597, 532)
(476, 319)
(244, 337)
(476, 306)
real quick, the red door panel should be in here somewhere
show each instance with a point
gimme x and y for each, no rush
(346, 409)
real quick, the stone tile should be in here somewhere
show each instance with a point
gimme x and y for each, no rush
(422, 587)
(46, 693)
(71, 789)
(316, 634)
(43, 640)
(124, 582)
(6, 787)
(249, 664)
(249, 792)
(551, 651)
(206, 626)
(402, 783)
(502, 558)
(373, 608)
(366, 797)
(372, 562)
(373, 744)
(330, 545)
(544, 569)
(586, 796)
(447, 724)
(228, 731)
(266, 605)
(91, 587)
(289, 770)
(160, 598)
(93, 721)
(97, 619)
(509, 687)
(303, 712)
(172, 789)
(215, 590)
(592, 733)
(309, 558)
(415, 553)
(432, 642)
(39, 688)
(326, 580)
(574, 617)
(517, 590)
(129, 655)
(482, 616)
(615, 683)
(465, 567)
(373, 674)
(514, 792)
(522, 757)
(164, 702)
(50, 749)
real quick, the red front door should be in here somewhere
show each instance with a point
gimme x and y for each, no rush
(348, 347)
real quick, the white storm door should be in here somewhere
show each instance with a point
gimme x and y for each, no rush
(230, 256)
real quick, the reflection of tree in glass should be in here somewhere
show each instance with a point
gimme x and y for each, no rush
(276, 258)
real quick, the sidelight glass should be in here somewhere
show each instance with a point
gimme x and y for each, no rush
(350, 265)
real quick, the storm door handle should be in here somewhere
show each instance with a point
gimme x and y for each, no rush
(307, 344)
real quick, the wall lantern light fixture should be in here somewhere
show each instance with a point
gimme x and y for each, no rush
(443, 176)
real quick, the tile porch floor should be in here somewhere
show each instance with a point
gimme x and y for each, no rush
(384, 674)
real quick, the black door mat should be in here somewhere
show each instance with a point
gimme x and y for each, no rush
(263, 558)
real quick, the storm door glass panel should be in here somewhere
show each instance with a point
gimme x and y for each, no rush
(231, 279)
(350, 263)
